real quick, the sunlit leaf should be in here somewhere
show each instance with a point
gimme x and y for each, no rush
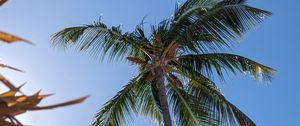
(12, 104)
(9, 38)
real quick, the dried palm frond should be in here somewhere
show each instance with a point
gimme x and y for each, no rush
(9, 38)
(12, 105)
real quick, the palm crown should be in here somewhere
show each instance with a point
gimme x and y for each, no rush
(176, 63)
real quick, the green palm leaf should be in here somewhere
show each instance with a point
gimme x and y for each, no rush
(186, 111)
(208, 95)
(220, 62)
(99, 40)
(120, 108)
(214, 25)
(135, 97)
(147, 103)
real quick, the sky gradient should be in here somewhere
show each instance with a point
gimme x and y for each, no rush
(70, 75)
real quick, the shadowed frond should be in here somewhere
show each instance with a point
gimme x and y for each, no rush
(180, 104)
(148, 106)
(190, 110)
(220, 62)
(222, 110)
(190, 73)
(207, 94)
(147, 102)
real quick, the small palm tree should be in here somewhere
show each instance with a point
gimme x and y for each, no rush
(176, 63)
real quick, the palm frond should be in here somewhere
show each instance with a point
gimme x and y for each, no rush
(119, 109)
(138, 35)
(71, 102)
(220, 62)
(189, 72)
(9, 38)
(14, 104)
(147, 103)
(8, 84)
(216, 25)
(130, 100)
(10, 67)
(99, 40)
(183, 107)
(222, 110)
(190, 6)
(208, 95)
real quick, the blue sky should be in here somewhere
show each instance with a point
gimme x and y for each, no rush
(70, 75)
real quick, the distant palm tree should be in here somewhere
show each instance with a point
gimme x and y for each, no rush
(176, 63)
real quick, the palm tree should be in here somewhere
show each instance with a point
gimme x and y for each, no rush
(176, 63)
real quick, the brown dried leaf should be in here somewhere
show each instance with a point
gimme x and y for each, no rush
(12, 105)
(8, 38)
(172, 51)
(5, 123)
(175, 81)
(137, 60)
(8, 93)
(72, 102)
(1, 3)
(7, 83)
(10, 67)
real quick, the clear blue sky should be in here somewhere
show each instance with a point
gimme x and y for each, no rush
(70, 75)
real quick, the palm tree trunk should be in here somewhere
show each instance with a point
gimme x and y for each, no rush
(159, 80)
